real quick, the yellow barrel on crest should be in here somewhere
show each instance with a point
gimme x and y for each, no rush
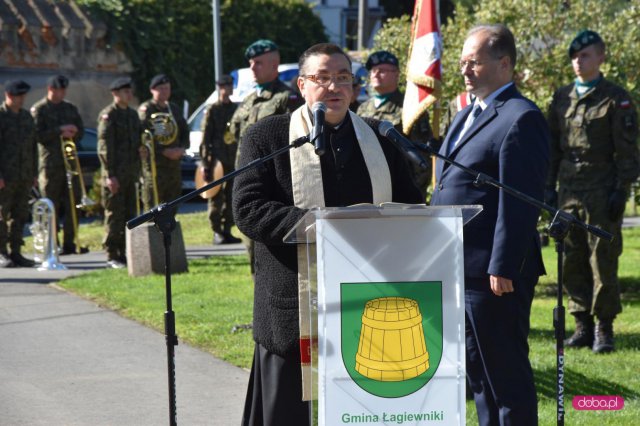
(392, 346)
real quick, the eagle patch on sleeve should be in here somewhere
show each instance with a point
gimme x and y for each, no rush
(105, 117)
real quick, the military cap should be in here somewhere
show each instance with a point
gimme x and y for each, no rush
(225, 80)
(584, 39)
(16, 87)
(58, 82)
(381, 57)
(121, 83)
(158, 80)
(260, 47)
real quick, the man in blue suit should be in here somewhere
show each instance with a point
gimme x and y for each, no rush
(503, 135)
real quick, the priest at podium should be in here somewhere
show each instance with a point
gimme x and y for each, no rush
(358, 166)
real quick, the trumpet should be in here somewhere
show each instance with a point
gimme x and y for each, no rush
(163, 130)
(72, 168)
(43, 230)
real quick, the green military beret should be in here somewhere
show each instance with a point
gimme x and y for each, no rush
(584, 39)
(58, 82)
(260, 47)
(225, 80)
(16, 87)
(121, 83)
(158, 80)
(381, 57)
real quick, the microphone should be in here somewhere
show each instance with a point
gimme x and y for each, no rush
(317, 133)
(387, 130)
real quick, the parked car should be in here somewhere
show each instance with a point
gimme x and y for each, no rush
(87, 149)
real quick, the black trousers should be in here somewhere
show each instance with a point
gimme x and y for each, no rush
(274, 395)
(498, 367)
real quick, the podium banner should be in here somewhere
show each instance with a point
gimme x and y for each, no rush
(382, 313)
(390, 321)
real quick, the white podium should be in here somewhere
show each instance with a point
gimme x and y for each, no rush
(382, 313)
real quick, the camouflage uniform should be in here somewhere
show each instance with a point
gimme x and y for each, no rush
(594, 154)
(168, 172)
(118, 143)
(275, 98)
(218, 143)
(18, 169)
(52, 174)
(391, 110)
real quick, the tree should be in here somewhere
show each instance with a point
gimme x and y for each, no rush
(289, 23)
(175, 37)
(395, 37)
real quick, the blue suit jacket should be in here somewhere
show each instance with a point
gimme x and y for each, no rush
(508, 141)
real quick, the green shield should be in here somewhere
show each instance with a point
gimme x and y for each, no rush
(391, 335)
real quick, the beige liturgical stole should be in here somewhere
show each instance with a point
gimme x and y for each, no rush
(306, 181)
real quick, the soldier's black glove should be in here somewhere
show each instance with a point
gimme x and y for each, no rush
(551, 197)
(617, 203)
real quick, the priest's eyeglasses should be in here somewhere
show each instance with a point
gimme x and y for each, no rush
(325, 79)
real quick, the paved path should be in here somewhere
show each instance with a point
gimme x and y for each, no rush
(66, 361)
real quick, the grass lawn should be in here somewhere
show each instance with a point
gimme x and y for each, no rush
(217, 295)
(195, 231)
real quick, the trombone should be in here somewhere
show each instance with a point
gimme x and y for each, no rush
(72, 168)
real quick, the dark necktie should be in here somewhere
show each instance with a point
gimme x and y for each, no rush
(475, 112)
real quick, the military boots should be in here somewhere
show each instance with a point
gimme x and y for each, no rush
(583, 336)
(20, 260)
(603, 342)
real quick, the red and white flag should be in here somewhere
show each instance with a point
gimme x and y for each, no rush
(424, 67)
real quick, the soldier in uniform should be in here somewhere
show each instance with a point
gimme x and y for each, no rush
(57, 119)
(119, 151)
(594, 160)
(271, 97)
(386, 104)
(219, 144)
(168, 179)
(17, 172)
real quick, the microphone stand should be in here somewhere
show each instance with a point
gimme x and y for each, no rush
(558, 230)
(163, 216)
